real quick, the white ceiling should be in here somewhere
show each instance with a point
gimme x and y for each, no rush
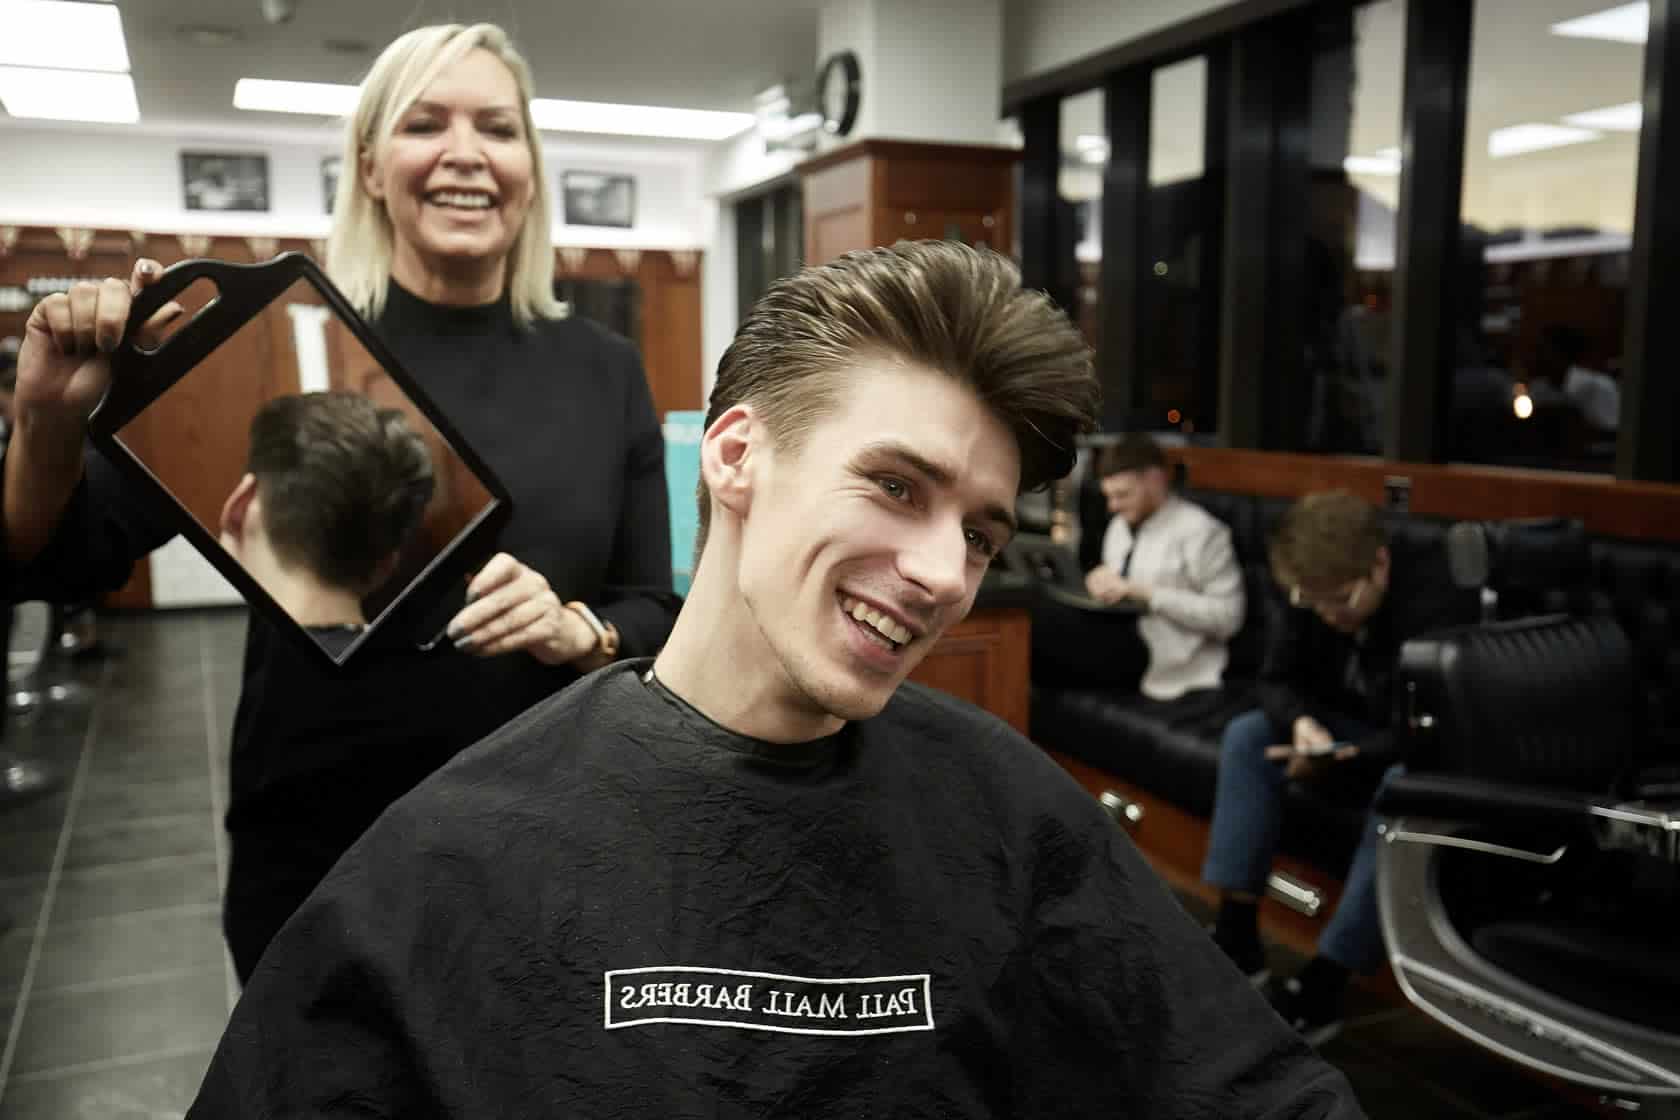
(703, 54)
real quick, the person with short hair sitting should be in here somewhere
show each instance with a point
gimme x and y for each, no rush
(761, 875)
(1174, 562)
(1356, 593)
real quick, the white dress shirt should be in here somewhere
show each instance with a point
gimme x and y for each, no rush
(1184, 554)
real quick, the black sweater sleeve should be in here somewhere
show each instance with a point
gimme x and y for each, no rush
(1281, 695)
(639, 600)
(106, 528)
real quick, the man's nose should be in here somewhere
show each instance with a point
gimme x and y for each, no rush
(936, 560)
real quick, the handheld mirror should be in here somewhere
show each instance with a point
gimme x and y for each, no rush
(286, 444)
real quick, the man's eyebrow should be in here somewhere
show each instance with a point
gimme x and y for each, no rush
(936, 473)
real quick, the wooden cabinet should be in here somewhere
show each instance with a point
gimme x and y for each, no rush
(985, 659)
(877, 192)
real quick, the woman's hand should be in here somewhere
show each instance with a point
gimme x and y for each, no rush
(511, 607)
(64, 366)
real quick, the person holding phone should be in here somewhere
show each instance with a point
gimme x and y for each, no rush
(1355, 594)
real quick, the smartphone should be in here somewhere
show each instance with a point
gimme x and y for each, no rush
(1320, 752)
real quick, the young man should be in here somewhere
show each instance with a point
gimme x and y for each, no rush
(1326, 716)
(1175, 560)
(757, 876)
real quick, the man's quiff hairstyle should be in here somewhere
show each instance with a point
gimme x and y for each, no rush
(1327, 540)
(941, 305)
(361, 244)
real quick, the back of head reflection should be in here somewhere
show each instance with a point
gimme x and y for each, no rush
(333, 488)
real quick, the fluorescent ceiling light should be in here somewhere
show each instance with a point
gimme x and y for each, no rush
(638, 120)
(785, 128)
(317, 98)
(325, 99)
(57, 35)
(1385, 162)
(1612, 118)
(68, 95)
(1626, 23)
(1521, 138)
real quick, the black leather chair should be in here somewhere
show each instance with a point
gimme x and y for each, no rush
(1530, 877)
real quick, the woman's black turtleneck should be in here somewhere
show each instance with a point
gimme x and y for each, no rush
(561, 412)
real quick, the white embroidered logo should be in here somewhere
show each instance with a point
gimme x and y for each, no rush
(768, 1001)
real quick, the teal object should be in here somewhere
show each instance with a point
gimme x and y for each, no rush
(682, 476)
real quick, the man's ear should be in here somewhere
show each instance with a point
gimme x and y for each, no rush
(730, 452)
(369, 171)
(236, 509)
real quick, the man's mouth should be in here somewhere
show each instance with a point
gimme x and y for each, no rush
(881, 628)
(461, 200)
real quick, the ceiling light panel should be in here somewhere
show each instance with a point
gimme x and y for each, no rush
(1626, 117)
(1520, 139)
(638, 120)
(1625, 23)
(59, 35)
(68, 95)
(321, 99)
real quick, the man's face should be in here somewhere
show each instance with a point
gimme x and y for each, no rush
(860, 548)
(1347, 606)
(1134, 495)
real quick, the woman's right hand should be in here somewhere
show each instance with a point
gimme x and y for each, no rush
(64, 366)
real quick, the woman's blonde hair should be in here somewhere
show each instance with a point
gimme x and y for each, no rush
(360, 246)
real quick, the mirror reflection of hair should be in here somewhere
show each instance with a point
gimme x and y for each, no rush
(339, 485)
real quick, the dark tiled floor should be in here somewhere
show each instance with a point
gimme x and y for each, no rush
(109, 888)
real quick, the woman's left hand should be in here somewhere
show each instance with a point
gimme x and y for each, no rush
(511, 607)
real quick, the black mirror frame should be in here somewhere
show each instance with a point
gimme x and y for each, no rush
(245, 291)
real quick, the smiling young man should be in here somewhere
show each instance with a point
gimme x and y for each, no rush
(762, 876)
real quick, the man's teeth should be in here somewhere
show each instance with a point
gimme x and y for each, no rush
(462, 198)
(884, 625)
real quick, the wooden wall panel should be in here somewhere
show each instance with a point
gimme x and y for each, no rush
(984, 660)
(1636, 510)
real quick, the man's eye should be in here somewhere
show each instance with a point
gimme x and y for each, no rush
(982, 543)
(894, 488)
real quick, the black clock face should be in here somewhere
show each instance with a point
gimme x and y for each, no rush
(838, 89)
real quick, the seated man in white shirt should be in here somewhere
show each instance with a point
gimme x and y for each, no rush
(1171, 559)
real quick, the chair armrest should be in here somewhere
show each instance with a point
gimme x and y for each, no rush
(1453, 798)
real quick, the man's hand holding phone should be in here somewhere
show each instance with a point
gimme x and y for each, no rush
(1312, 744)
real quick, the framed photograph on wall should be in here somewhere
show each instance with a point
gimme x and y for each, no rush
(330, 168)
(224, 181)
(596, 198)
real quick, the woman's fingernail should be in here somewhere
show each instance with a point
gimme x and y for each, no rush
(464, 642)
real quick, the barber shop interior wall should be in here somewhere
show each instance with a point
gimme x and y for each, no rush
(1041, 35)
(130, 178)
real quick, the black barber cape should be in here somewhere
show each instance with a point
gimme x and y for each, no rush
(614, 908)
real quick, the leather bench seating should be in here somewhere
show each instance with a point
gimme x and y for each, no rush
(1171, 751)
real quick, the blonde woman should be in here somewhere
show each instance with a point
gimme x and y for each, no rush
(441, 239)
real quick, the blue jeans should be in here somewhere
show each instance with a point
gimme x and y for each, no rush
(1247, 814)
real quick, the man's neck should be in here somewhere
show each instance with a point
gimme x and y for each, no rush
(309, 601)
(719, 661)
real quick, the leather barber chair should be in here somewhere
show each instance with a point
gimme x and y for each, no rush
(1529, 878)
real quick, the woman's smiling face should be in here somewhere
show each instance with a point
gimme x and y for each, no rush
(456, 173)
